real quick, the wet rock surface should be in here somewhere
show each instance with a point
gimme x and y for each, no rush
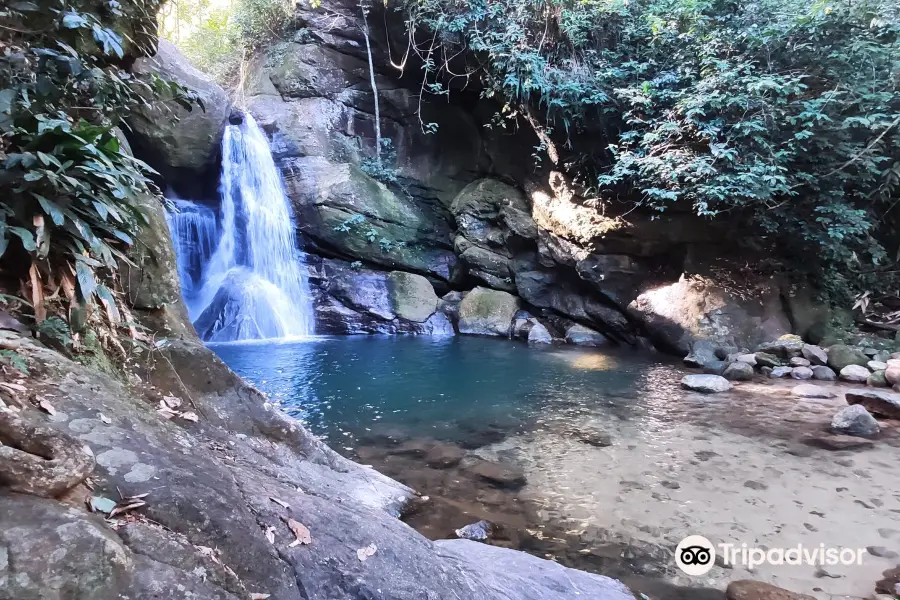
(706, 384)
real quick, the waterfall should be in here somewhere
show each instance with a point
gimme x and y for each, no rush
(249, 283)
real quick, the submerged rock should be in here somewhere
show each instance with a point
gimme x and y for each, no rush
(583, 336)
(487, 312)
(746, 589)
(855, 420)
(854, 374)
(879, 402)
(482, 530)
(707, 384)
(808, 390)
(498, 474)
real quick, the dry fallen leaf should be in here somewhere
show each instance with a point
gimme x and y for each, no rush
(13, 387)
(280, 502)
(255, 596)
(300, 531)
(190, 416)
(365, 553)
(270, 534)
(126, 505)
(171, 401)
(167, 413)
(104, 418)
(45, 404)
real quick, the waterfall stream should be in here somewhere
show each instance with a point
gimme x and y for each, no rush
(241, 273)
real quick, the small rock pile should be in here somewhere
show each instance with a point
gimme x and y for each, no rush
(790, 356)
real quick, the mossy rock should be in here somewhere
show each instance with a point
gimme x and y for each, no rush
(841, 355)
(412, 296)
(487, 312)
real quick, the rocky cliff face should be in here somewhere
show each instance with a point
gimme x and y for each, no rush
(466, 207)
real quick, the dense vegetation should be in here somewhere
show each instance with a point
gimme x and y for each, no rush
(783, 113)
(69, 188)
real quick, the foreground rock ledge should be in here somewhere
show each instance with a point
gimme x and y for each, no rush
(210, 486)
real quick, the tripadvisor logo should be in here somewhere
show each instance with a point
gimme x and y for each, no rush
(695, 555)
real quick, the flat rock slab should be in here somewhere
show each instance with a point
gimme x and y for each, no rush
(757, 590)
(878, 402)
(808, 390)
(838, 442)
(498, 474)
(706, 384)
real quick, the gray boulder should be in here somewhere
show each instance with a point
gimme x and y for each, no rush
(584, 336)
(841, 355)
(799, 361)
(854, 374)
(787, 346)
(814, 354)
(412, 296)
(824, 373)
(738, 371)
(702, 353)
(480, 531)
(879, 402)
(173, 136)
(855, 420)
(539, 335)
(802, 373)
(876, 365)
(779, 372)
(487, 312)
(706, 384)
(877, 380)
(764, 359)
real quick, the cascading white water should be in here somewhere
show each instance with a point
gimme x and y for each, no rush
(251, 286)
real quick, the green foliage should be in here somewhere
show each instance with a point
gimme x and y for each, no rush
(55, 329)
(215, 37)
(784, 114)
(68, 187)
(358, 225)
(384, 169)
(14, 360)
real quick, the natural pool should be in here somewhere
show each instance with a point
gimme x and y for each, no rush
(619, 463)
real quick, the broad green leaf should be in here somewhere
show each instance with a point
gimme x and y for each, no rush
(51, 209)
(86, 281)
(26, 236)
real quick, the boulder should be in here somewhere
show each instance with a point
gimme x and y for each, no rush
(412, 296)
(501, 475)
(892, 373)
(879, 402)
(841, 355)
(799, 361)
(342, 209)
(876, 365)
(487, 312)
(707, 384)
(854, 374)
(715, 367)
(823, 373)
(539, 335)
(814, 354)
(584, 336)
(702, 353)
(170, 135)
(855, 420)
(738, 371)
(480, 531)
(764, 359)
(877, 380)
(779, 372)
(746, 589)
(750, 359)
(808, 390)
(802, 373)
(787, 346)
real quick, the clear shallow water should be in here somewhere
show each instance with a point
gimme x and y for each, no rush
(619, 463)
(345, 388)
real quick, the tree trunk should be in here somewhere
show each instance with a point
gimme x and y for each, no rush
(363, 8)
